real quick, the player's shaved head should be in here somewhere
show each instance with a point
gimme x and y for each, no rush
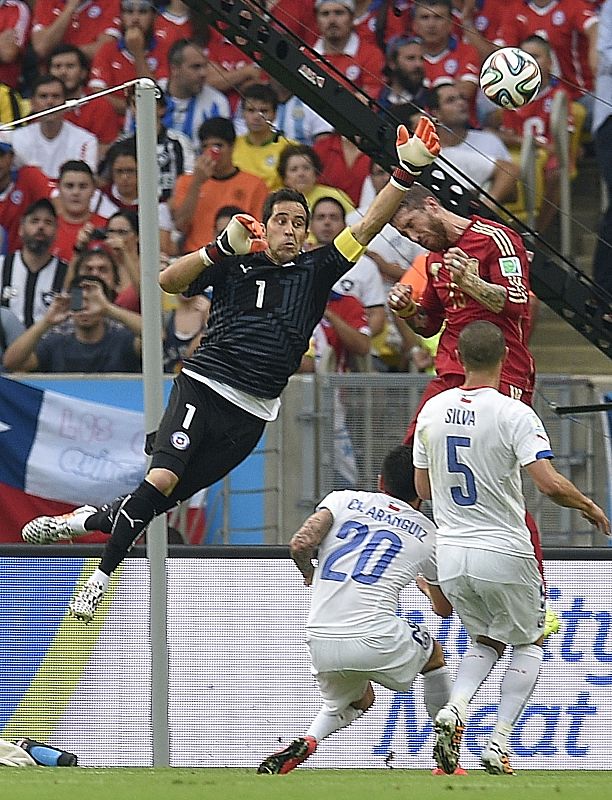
(481, 345)
(397, 474)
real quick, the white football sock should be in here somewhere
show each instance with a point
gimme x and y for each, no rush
(100, 577)
(475, 665)
(326, 722)
(516, 688)
(436, 689)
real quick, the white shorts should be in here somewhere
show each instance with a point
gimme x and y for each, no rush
(503, 599)
(343, 667)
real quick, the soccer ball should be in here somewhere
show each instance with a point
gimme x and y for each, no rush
(510, 77)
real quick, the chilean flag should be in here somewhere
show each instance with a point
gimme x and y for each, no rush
(59, 452)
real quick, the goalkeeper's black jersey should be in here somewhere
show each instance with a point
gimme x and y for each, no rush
(262, 317)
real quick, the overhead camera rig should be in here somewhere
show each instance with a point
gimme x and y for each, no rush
(557, 282)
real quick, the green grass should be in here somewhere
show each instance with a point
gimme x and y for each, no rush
(303, 784)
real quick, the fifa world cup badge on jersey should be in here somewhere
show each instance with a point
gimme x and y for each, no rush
(510, 265)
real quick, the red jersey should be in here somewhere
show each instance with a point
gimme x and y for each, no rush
(296, 15)
(535, 116)
(169, 28)
(458, 62)
(487, 17)
(98, 117)
(353, 313)
(27, 185)
(396, 24)
(113, 64)
(501, 259)
(563, 23)
(222, 52)
(14, 16)
(89, 20)
(336, 171)
(67, 233)
(361, 64)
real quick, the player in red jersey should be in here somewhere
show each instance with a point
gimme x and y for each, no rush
(476, 270)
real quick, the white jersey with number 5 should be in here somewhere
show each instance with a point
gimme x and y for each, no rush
(375, 547)
(474, 442)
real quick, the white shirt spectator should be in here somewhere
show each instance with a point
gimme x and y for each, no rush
(185, 115)
(363, 281)
(34, 149)
(475, 156)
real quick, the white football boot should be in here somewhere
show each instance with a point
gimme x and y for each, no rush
(495, 760)
(87, 599)
(44, 530)
(448, 727)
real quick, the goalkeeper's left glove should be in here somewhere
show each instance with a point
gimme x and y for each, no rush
(414, 152)
(242, 235)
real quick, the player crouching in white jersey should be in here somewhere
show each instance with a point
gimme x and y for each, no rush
(368, 545)
(470, 444)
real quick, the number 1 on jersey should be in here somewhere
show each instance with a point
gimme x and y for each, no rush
(261, 289)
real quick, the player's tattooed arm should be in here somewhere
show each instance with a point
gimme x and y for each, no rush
(305, 542)
(464, 272)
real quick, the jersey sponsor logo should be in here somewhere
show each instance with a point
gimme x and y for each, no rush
(16, 197)
(511, 265)
(180, 440)
(245, 267)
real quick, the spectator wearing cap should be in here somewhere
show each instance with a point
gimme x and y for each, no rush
(76, 187)
(190, 100)
(19, 188)
(139, 53)
(68, 63)
(31, 275)
(361, 63)
(93, 336)
(405, 72)
(447, 58)
(86, 25)
(52, 141)
(14, 36)
(215, 182)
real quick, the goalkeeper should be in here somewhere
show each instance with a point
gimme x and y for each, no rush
(267, 298)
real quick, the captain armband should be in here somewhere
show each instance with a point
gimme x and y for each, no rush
(346, 244)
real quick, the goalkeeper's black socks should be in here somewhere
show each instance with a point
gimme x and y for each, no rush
(103, 518)
(130, 520)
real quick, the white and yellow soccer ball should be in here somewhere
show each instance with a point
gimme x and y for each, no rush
(510, 77)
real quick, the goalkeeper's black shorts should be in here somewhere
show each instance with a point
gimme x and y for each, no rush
(202, 436)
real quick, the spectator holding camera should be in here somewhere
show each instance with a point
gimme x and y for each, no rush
(76, 187)
(82, 331)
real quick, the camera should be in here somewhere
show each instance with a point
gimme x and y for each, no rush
(98, 234)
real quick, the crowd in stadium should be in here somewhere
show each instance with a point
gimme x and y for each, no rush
(228, 134)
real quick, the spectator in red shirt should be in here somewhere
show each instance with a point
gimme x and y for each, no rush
(19, 188)
(76, 187)
(139, 53)
(447, 58)
(70, 65)
(377, 21)
(571, 28)
(361, 63)
(87, 25)
(14, 36)
(344, 165)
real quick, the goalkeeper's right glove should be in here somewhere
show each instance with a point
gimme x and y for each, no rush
(242, 235)
(414, 152)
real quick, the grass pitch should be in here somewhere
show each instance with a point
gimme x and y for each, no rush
(303, 784)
